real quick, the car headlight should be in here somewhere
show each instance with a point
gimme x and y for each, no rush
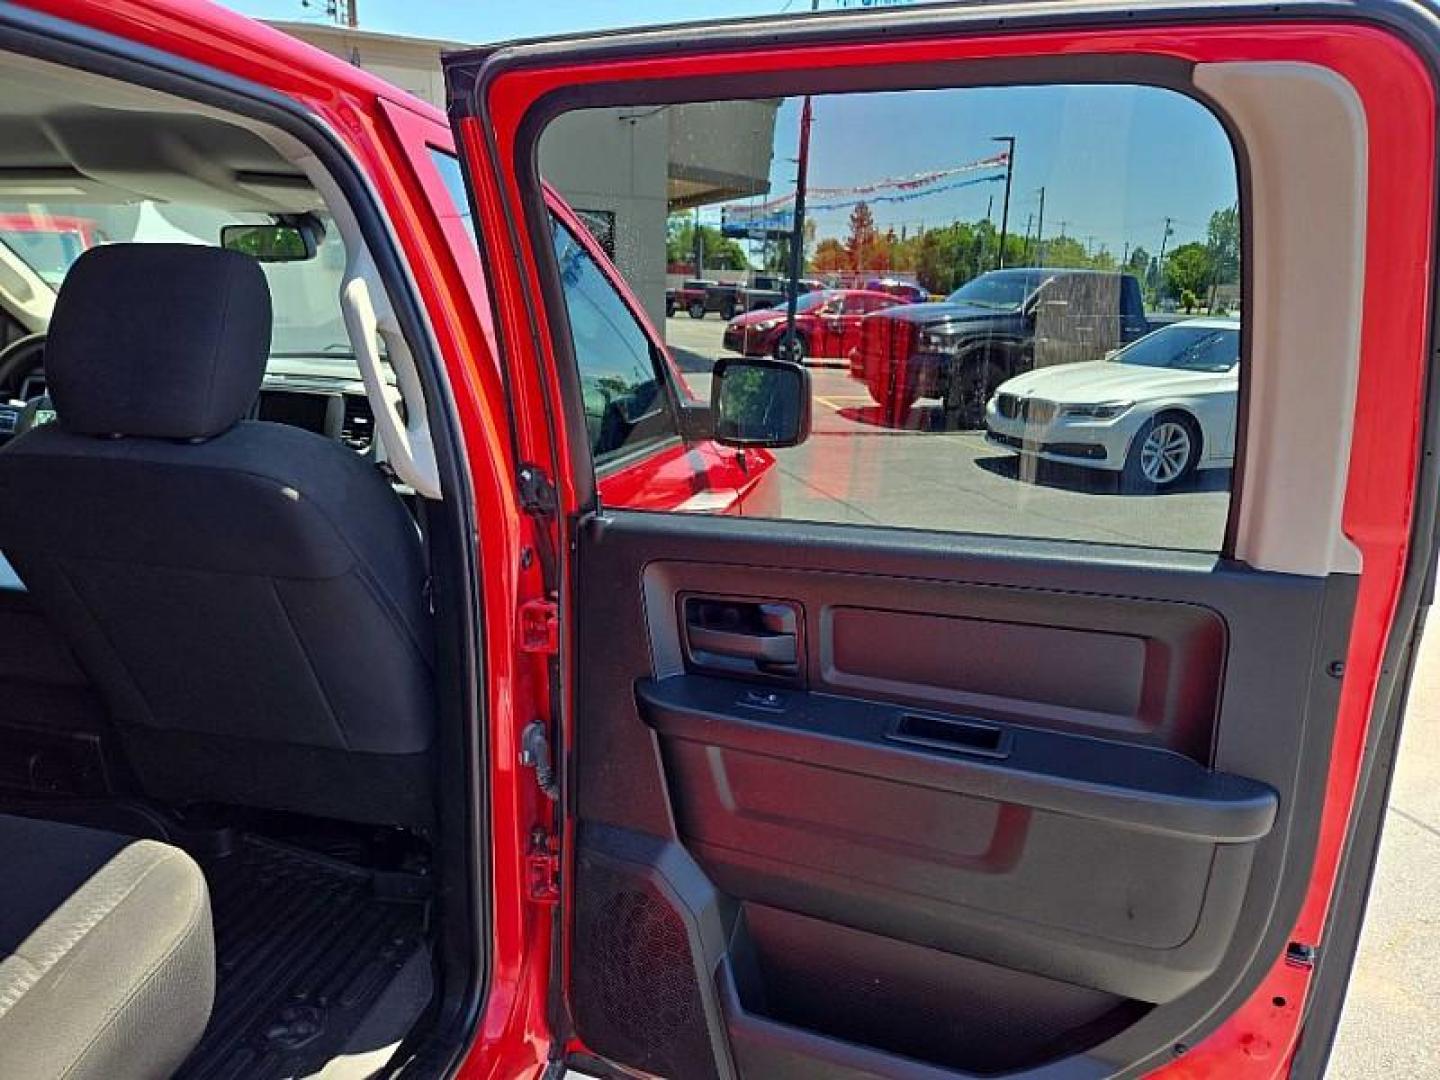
(943, 341)
(1104, 410)
(763, 326)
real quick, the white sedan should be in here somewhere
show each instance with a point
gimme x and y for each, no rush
(1155, 411)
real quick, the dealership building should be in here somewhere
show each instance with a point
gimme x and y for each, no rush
(625, 170)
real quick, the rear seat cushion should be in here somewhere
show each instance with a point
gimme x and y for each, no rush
(107, 959)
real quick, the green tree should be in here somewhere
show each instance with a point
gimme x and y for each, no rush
(1138, 263)
(1222, 237)
(720, 252)
(1103, 259)
(1066, 251)
(1187, 269)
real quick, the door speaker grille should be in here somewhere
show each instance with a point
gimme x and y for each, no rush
(636, 995)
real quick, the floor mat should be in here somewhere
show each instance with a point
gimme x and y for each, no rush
(305, 946)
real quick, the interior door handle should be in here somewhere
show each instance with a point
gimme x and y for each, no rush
(763, 648)
(743, 636)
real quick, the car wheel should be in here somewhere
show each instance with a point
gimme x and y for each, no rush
(1163, 452)
(785, 351)
(696, 310)
(970, 387)
(669, 308)
(727, 312)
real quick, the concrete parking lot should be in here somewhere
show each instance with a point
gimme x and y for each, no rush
(857, 468)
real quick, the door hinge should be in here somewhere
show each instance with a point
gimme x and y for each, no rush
(540, 627)
(537, 491)
(535, 754)
(542, 867)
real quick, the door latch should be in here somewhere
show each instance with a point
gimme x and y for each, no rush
(540, 627)
(542, 868)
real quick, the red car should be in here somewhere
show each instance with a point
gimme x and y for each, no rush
(827, 324)
(355, 722)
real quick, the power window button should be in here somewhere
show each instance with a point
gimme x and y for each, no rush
(771, 700)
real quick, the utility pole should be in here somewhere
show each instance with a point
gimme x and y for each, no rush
(1125, 258)
(340, 12)
(990, 220)
(1009, 141)
(797, 234)
(1160, 262)
(699, 244)
(1029, 221)
(1040, 233)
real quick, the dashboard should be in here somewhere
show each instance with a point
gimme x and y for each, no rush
(321, 395)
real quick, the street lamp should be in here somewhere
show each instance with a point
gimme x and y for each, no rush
(1009, 141)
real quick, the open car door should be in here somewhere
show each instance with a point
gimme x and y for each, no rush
(869, 794)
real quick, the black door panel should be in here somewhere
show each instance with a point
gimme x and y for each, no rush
(1113, 866)
(1036, 792)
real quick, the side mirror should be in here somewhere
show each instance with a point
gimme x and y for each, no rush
(757, 401)
(270, 243)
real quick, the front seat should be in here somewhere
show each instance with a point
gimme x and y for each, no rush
(107, 957)
(249, 598)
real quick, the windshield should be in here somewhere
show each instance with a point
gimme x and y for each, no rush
(810, 301)
(47, 251)
(304, 296)
(1185, 348)
(1003, 292)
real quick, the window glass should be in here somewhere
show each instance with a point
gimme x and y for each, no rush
(304, 295)
(448, 166)
(1057, 353)
(625, 399)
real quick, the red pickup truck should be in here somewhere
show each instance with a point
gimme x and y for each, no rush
(358, 718)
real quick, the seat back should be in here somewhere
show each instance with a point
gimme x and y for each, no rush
(249, 598)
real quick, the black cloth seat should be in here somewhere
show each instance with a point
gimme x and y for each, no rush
(107, 957)
(248, 597)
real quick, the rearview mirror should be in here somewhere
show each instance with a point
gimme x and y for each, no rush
(270, 243)
(756, 401)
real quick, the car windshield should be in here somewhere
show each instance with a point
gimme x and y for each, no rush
(1001, 291)
(811, 300)
(1185, 348)
(307, 320)
(48, 248)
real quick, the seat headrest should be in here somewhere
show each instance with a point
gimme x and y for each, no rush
(166, 341)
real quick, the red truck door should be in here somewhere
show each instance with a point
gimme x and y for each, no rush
(851, 799)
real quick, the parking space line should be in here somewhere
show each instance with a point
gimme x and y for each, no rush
(829, 400)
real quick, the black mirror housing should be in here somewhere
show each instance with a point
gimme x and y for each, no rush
(758, 401)
(697, 422)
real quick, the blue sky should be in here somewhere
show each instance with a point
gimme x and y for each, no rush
(1115, 161)
(481, 21)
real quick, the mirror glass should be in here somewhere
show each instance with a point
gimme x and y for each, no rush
(760, 402)
(269, 243)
